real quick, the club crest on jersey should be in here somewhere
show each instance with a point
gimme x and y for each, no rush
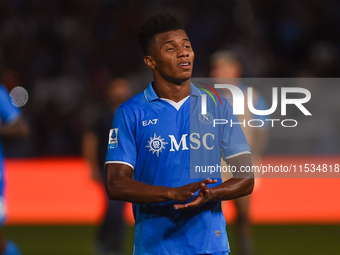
(156, 144)
(206, 119)
(113, 138)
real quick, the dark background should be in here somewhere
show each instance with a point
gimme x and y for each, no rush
(65, 52)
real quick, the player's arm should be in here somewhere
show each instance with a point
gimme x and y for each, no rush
(120, 186)
(17, 128)
(241, 184)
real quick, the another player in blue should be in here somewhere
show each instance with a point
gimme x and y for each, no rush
(12, 125)
(159, 139)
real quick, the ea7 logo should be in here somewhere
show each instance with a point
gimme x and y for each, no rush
(148, 122)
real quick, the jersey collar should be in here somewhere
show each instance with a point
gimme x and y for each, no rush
(150, 94)
(195, 91)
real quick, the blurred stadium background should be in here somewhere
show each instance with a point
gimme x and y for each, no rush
(65, 52)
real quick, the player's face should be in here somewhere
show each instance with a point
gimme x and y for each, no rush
(171, 56)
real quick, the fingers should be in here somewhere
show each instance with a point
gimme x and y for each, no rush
(201, 184)
(180, 206)
(197, 201)
(201, 198)
(209, 181)
(205, 192)
(183, 193)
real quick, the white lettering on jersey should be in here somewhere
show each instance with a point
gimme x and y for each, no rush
(197, 142)
(156, 143)
(148, 122)
(204, 140)
(194, 140)
(182, 141)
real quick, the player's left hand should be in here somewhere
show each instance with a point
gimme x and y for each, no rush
(203, 196)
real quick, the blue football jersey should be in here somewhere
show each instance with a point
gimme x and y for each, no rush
(8, 113)
(163, 145)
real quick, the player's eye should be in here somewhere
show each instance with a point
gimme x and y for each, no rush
(187, 46)
(170, 49)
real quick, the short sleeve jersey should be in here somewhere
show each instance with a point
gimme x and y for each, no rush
(161, 144)
(8, 114)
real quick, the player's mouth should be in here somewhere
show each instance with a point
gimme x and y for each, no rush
(185, 65)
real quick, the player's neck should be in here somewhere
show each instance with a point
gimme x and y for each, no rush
(172, 91)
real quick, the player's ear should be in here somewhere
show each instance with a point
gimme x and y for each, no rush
(150, 62)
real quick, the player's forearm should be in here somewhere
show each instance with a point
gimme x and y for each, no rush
(241, 184)
(129, 190)
(233, 188)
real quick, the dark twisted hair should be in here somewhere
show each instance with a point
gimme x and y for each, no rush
(156, 25)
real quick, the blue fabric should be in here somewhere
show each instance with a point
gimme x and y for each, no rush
(154, 137)
(12, 249)
(212, 141)
(8, 113)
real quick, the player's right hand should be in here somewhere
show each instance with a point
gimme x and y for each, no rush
(183, 193)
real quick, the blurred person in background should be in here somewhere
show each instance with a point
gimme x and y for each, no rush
(12, 125)
(110, 236)
(226, 64)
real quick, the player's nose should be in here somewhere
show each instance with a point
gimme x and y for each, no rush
(183, 52)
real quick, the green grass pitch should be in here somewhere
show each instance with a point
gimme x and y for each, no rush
(269, 239)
